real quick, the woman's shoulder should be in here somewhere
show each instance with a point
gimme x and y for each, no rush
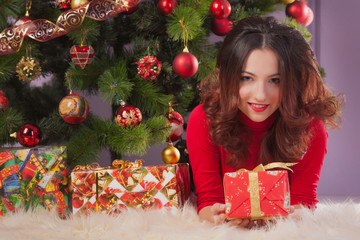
(317, 125)
(318, 129)
(198, 112)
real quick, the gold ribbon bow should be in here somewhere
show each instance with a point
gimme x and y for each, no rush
(254, 184)
(116, 164)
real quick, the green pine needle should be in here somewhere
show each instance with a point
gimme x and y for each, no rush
(83, 147)
(148, 97)
(10, 121)
(159, 129)
(87, 33)
(10, 9)
(294, 24)
(191, 20)
(114, 84)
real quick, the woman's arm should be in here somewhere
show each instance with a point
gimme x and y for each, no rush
(304, 180)
(204, 160)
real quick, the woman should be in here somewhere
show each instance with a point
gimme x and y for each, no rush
(268, 103)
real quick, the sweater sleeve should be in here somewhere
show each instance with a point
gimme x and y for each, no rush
(205, 160)
(304, 180)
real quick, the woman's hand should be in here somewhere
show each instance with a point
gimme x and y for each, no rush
(216, 214)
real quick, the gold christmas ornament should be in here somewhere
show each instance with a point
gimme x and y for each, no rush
(78, 3)
(28, 69)
(170, 154)
(288, 1)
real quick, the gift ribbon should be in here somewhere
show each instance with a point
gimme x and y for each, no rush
(43, 30)
(254, 184)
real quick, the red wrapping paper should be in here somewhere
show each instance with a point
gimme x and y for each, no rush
(257, 195)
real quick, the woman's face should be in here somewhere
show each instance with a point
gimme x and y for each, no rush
(260, 85)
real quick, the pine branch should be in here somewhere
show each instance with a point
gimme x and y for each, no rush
(10, 9)
(10, 121)
(191, 20)
(294, 24)
(55, 129)
(148, 97)
(84, 79)
(159, 129)
(8, 65)
(114, 84)
(87, 33)
(83, 147)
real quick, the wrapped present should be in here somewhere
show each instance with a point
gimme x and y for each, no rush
(32, 177)
(258, 194)
(130, 185)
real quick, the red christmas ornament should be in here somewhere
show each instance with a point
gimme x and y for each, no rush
(220, 9)
(176, 122)
(82, 55)
(166, 7)
(307, 20)
(74, 109)
(221, 27)
(22, 20)
(297, 10)
(29, 135)
(148, 68)
(4, 102)
(185, 64)
(63, 5)
(128, 116)
(131, 9)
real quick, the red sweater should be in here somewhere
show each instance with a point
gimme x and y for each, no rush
(208, 160)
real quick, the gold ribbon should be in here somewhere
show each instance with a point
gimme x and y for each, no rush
(43, 30)
(254, 184)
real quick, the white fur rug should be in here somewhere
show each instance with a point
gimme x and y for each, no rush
(331, 221)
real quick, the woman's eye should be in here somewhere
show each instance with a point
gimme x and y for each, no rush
(245, 78)
(275, 80)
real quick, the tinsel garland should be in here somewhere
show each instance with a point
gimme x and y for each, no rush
(43, 30)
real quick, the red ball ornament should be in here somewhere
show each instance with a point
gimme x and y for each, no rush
(74, 109)
(297, 10)
(307, 20)
(176, 122)
(4, 102)
(29, 135)
(131, 9)
(148, 68)
(63, 5)
(166, 7)
(185, 64)
(22, 20)
(82, 55)
(221, 27)
(128, 116)
(220, 9)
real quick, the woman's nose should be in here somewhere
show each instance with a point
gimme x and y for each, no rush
(260, 92)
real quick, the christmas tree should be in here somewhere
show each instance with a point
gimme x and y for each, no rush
(128, 51)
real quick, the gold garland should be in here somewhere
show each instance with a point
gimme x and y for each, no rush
(43, 30)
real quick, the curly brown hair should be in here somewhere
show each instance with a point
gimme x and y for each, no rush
(304, 95)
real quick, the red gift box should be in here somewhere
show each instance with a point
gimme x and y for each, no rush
(257, 194)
